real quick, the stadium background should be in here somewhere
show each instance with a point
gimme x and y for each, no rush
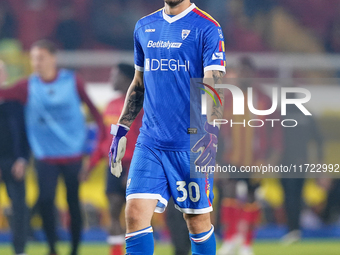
(288, 40)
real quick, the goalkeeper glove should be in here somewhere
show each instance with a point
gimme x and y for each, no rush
(118, 148)
(207, 145)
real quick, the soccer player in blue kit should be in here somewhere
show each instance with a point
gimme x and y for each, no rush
(172, 45)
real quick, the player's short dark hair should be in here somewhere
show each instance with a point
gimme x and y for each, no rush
(45, 44)
(248, 62)
(127, 69)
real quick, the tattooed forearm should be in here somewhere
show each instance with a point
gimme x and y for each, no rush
(217, 75)
(217, 110)
(133, 104)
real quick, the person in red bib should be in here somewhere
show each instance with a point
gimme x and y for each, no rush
(121, 77)
(242, 145)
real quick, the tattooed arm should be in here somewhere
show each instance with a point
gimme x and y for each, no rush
(133, 101)
(207, 145)
(214, 111)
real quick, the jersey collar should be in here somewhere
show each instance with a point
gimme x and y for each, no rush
(178, 16)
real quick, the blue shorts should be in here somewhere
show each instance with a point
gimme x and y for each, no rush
(160, 174)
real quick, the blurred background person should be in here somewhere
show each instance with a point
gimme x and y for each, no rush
(242, 145)
(120, 80)
(56, 131)
(178, 230)
(68, 31)
(3, 74)
(8, 23)
(332, 40)
(296, 144)
(331, 211)
(14, 156)
(110, 25)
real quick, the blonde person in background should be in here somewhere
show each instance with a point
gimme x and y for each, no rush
(56, 130)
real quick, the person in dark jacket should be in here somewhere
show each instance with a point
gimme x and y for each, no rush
(14, 153)
(296, 145)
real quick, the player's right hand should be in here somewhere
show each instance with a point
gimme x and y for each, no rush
(118, 148)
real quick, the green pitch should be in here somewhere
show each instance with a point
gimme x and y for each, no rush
(315, 247)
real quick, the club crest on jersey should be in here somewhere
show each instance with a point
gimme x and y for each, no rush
(185, 33)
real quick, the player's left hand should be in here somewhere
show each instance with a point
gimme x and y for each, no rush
(19, 169)
(117, 149)
(207, 145)
(85, 171)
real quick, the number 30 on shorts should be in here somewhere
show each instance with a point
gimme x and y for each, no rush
(193, 188)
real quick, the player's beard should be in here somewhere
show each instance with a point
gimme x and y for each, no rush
(173, 3)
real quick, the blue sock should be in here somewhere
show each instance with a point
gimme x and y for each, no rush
(204, 243)
(140, 242)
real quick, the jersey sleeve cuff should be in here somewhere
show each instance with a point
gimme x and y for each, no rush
(215, 68)
(139, 68)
